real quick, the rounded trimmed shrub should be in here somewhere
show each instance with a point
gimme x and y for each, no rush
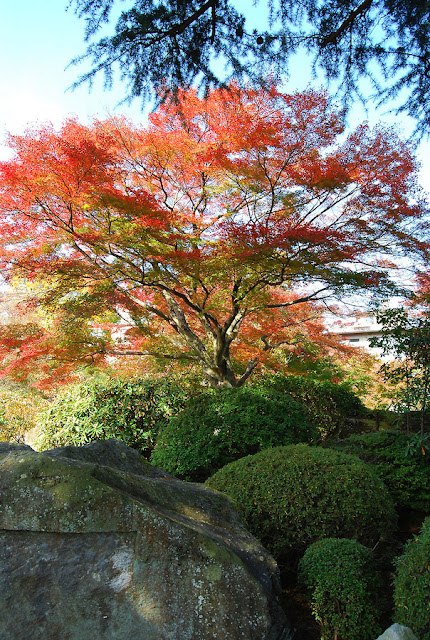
(293, 496)
(344, 588)
(407, 477)
(131, 411)
(220, 426)
(412, 584)
(330, 405)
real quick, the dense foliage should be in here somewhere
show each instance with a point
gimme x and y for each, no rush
(131, 411)
(331, 406)
(293, 496)
(19, 410)
(343, 584)
(173, 43)
(360, 372)
(218, 427)
(206, 237)
(406, 476)
(407, 337)
(412, 584)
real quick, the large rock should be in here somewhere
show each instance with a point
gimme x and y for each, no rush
(98, 545)
(397, 632)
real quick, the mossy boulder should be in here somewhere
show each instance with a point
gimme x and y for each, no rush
(97, 543)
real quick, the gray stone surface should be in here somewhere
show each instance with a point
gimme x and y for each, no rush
(98, 545)
(398, 632)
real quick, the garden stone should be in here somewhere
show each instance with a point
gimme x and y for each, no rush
(96, 543)
(397, 632)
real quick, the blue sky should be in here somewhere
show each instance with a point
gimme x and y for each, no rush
(38, 40)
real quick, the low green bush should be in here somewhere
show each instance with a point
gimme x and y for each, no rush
(293, 496)
(407, 477)
(412, 584)
(220, 426)
(344, 588)
(331, 406)
(131, 411)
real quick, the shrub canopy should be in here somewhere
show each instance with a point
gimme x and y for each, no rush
(330, 405)
(218, 427)
(342, 581)
(293, 496)
(407, 477)
(412, 584)
(131, 411)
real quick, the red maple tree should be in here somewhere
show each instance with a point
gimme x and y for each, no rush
(198, 235)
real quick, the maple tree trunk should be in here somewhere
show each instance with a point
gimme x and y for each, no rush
(215, 358)
(220, 373)
(216, 379)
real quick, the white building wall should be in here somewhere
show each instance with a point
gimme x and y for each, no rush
(358, 331)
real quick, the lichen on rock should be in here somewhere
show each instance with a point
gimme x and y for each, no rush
(96, 543)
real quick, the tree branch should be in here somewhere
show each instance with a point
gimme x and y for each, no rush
(213, 21)
(155, 354)
(311, 296)
(180, 28)
(249, 369)
(333, 37)
(184, 329)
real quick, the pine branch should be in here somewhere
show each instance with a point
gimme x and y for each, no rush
(334, 36)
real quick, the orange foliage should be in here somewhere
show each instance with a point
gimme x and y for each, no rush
(205, 236)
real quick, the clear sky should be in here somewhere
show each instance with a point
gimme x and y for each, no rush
(38, 40)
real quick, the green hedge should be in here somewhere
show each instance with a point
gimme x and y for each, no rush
(412, 584)
(293, 496)
(220, 426)
(344, 588)
(407, 477)
(331, 406)
(131, 411)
